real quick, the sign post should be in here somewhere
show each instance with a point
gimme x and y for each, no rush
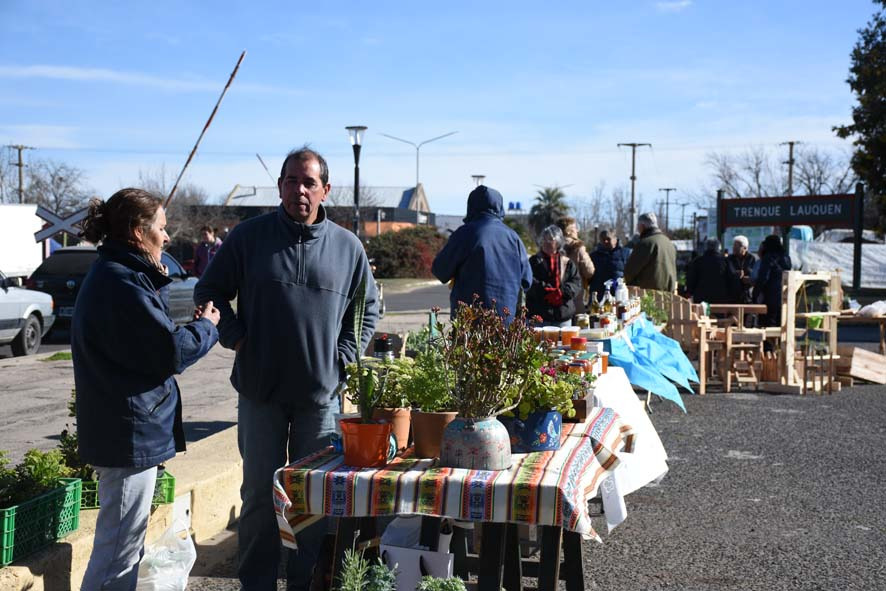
(859, 227)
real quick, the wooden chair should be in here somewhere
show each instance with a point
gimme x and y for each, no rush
(743, 349)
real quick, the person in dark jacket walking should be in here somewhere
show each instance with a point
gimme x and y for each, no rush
(555, 281)
(125, 350)
(296, 277)
(653, 260)
(609, 262)
(484, 256)
(709, 277)
(767, 286)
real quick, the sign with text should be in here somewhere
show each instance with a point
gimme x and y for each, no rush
(809, 210)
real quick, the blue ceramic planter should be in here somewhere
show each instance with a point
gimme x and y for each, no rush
(476, 444)
(539, 432)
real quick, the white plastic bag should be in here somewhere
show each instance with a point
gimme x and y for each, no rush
(167, 563)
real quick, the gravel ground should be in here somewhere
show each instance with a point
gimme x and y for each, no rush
(764, 492)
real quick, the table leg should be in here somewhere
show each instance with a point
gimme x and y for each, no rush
(513, 565)
(430, 532)
(492, 553)
(459, 549)
(883, 337)
(573, 564)
(549, 562)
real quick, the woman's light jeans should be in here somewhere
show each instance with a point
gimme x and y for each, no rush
(125, 496)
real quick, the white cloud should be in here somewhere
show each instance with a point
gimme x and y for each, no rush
(132, 78)
(673, 6)
(43, 136)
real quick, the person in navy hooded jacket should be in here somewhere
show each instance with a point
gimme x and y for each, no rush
(484, 256)
(126, 350)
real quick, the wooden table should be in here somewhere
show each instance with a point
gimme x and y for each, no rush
(546, 489)
(739, 310)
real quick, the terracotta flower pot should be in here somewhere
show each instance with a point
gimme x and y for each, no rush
(427, 431)
(399, 418)
(365, 445)
(476, 444)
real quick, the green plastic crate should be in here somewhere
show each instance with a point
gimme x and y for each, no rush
(34, 524)
(164, 492)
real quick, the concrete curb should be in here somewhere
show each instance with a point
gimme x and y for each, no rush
(207, 489)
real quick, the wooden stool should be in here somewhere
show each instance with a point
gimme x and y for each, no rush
(744, 347)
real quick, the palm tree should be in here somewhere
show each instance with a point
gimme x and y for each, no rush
(550, 205)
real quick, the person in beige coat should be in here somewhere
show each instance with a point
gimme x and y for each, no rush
(578, 254)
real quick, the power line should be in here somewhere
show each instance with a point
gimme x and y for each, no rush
(667, 220)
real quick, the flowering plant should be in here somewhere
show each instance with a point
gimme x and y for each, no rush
(493, 361)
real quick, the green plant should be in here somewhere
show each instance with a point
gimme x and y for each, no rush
(653, 311)
(68, 445)
(407, 253)
(380, 578)
(381, 384)
(37, 473)
(491, 359)
(354, 568)
(357, 574)
(428, 384)
(59, 356)
(545, 391)
(437, 584)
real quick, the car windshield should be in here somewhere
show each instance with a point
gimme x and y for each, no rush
(67, 263)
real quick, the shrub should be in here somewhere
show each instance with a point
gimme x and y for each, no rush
(407, 253)
(38, 473)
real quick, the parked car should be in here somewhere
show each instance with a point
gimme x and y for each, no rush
(25, 316)
(63, 272)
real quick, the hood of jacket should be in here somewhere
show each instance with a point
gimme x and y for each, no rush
(484, 202)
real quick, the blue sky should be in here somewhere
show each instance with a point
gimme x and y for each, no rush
(540, 93)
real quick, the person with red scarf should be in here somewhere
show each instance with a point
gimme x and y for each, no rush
(555, 281)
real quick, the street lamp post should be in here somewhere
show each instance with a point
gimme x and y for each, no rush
(355, 132)
(478, 179)
(418, 147)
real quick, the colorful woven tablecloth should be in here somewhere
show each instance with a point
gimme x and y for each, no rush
(542, 488)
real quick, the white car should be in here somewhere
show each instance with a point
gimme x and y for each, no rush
(25, 317)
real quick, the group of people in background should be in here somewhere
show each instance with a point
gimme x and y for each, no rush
(740, 277)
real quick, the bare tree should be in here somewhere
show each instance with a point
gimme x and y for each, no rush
(748, 174)
(184, 217)
(344, 197)
(819, 173)
(8, 178)
(590, 212)
(56, 186)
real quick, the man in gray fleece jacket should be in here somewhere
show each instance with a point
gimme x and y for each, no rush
(294, 274)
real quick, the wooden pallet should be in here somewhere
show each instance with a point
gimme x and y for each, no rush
(862, 364)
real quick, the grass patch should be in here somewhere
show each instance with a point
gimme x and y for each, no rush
(59, 356)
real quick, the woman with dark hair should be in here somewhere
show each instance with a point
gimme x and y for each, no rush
(555, 281)
(767, 285)
(125, 350)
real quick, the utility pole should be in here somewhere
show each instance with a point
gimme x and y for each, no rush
(21, 167)
(790, 163)
(667, 191)
(633, 211)
(682, 207)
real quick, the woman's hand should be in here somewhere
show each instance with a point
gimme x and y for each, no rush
(209, 312)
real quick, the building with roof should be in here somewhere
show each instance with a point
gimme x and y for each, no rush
(382, 209)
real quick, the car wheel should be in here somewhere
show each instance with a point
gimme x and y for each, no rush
(27, 341)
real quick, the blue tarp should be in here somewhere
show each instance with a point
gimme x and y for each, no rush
(652, 359)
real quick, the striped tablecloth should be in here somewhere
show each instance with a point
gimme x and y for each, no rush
(543, 488)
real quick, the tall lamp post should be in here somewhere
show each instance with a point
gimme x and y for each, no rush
(418, 147)
(478, 179)
(355, 132)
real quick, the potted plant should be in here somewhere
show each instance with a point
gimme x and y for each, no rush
(537, 422)
(428, 583)
(492, 362)
(366, 442)
(39, 503)
(427, 384)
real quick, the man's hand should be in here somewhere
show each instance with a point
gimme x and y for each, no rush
(239, 344)
(209, 312)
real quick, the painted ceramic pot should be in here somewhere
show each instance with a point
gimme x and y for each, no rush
(476, 444)
(540, 431)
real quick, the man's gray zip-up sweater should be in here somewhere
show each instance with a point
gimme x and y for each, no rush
(295, 285)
